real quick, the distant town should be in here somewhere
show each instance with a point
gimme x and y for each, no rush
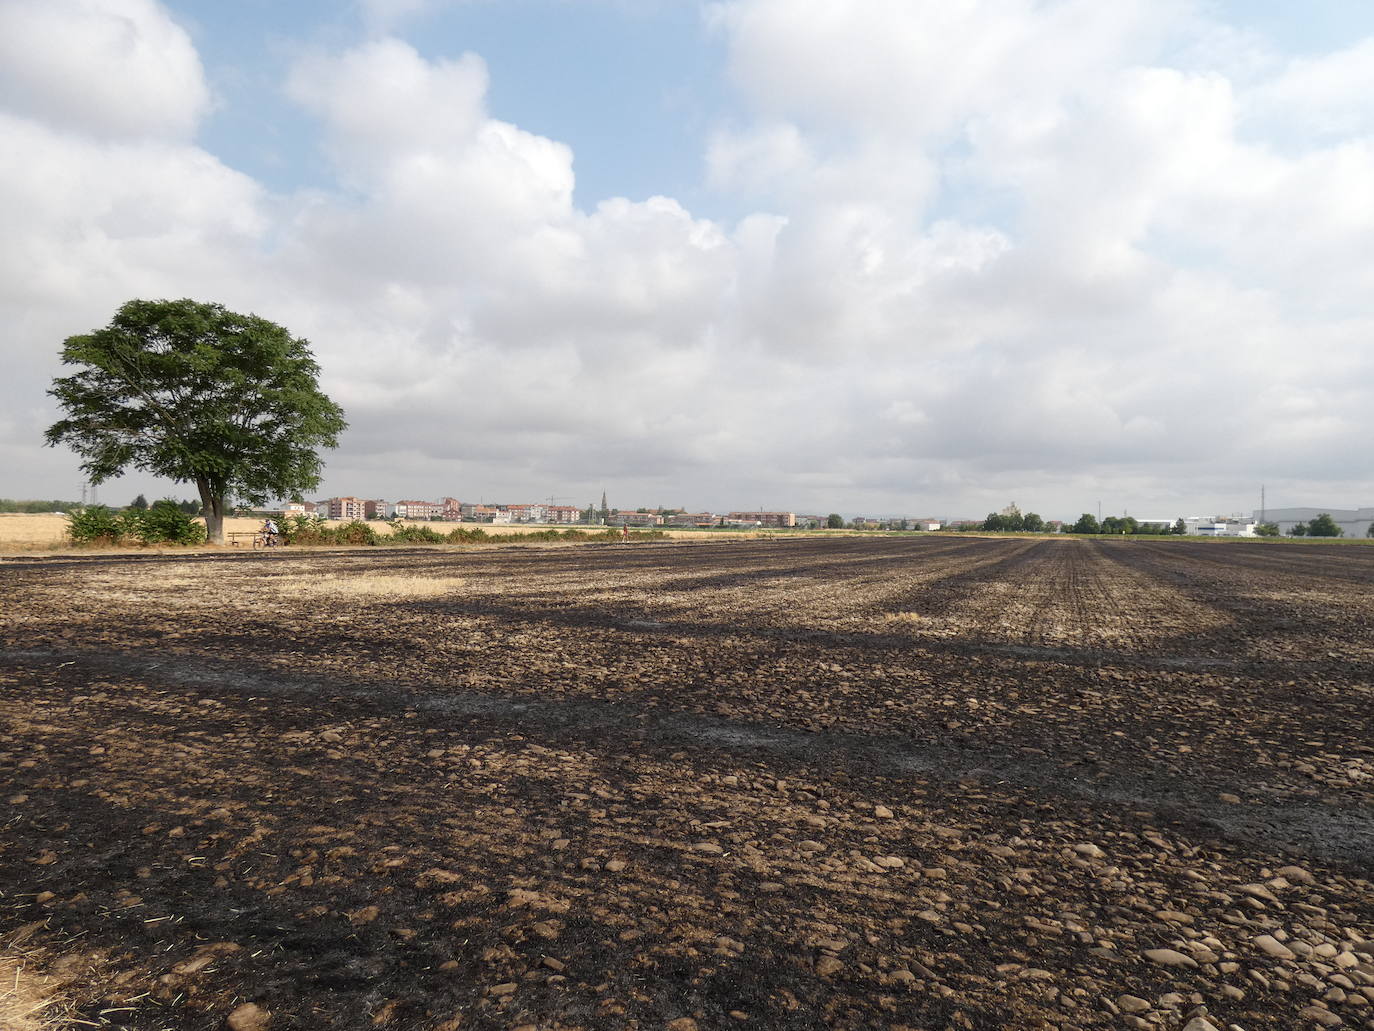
(1274, 522)
(452, 510)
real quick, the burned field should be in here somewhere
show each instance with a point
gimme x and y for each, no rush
(922, 783)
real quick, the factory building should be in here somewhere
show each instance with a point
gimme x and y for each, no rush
(1354, 521)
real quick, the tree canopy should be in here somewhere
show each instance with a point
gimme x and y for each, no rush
(1087, 523)
(198, 394)
(1324, 526)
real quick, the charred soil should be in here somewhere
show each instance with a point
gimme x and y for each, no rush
(922, 783)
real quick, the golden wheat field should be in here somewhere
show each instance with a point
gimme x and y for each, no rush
(47, 532)
(23, 532)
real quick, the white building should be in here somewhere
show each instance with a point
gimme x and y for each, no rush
(1354, 521)
(1216, 527)
(1166, 524)
(415, 510)
(636, 519)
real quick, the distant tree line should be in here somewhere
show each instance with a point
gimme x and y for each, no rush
(1088, 523)
(140, 504)
(11, 505)
(1322, 526)
(1012, 521)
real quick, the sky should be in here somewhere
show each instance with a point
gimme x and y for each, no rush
(881, 257)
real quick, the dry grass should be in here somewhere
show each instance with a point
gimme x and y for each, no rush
(25, 996)
(31, 532)
(372, 586)
(903, 617)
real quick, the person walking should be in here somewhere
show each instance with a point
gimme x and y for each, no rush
(624, 533)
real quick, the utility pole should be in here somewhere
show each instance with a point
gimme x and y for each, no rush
(1262, 508)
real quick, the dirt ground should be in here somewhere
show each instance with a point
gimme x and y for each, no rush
(922, 783)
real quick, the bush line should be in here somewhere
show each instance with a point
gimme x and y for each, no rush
(165, 523)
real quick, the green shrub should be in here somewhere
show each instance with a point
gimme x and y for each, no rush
(402, 534)
(96, 524)
(304, 529)
(355, 532)
(165, 523)
(459, 535)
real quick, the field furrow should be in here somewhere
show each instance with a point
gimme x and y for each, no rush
(932, 782)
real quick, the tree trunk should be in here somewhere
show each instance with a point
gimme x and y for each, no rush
(212, 505)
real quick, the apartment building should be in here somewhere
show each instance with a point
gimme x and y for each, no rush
(694, 519)
(478, 513)
(562, 513)
(376, 508)
(342, 508)
(635, 519)
(417, 510)
(526, 513)
(773, 519)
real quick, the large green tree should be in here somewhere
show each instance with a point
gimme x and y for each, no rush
(1087, 523)
(1324, 526)
(201, 395)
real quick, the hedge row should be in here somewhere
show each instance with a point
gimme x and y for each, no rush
(163, 522)
(308, 530)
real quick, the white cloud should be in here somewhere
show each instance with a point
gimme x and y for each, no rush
(112, 68)
(1326, 96)
(997, 248)
(387, 110)
(757, 160)
(923, 66)
(383, 16)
